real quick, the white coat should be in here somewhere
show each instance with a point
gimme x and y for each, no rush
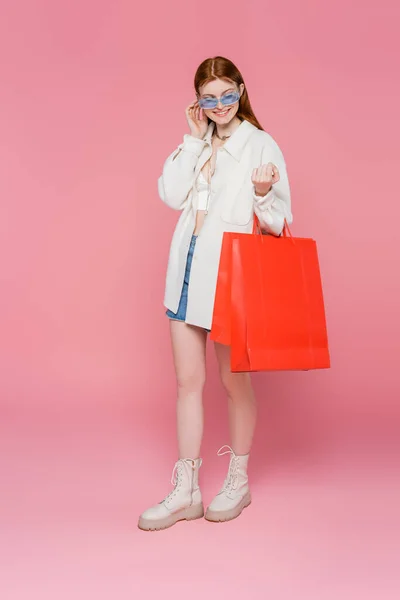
(231, 208)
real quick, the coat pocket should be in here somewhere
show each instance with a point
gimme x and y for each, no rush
(238, 204)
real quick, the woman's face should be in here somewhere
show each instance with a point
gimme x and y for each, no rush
(222, 114)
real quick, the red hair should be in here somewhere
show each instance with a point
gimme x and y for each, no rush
(222, 68)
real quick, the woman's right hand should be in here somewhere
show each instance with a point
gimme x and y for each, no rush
(197, 121)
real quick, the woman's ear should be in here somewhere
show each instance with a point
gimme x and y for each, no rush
(241, 89)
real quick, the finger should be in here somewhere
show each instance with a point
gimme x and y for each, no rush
(254, 176)
(190, 107)
(260, 173)
(264, 172)
(269, 172)
(275, 172)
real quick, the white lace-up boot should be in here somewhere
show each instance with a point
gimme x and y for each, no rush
(183, 503)
(235, 494)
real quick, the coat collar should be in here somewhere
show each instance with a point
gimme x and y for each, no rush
(236, 143)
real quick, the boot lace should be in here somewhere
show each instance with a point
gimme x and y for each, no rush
(231, 481)
(177, 477)
(176, 480)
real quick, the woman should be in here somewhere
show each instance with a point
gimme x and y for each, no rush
(226, 169)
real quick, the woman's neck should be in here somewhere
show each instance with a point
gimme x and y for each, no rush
(228, 129)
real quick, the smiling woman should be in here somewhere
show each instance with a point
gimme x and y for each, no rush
(219, 73)
(226, 170)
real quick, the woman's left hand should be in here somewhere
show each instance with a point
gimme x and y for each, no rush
(264, 177)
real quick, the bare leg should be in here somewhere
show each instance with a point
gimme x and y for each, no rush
(241, 402)
(189, 352)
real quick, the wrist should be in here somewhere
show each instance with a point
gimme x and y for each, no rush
(198, 136)
(261, 193)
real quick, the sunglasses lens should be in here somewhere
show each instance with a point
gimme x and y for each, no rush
(208, 103)
(230, 98)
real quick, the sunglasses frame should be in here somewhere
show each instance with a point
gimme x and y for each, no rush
(216, 101)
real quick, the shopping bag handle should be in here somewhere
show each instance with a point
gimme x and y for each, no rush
(285, 230)
(256, 226)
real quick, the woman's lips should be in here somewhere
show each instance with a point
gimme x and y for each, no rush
(221, 113)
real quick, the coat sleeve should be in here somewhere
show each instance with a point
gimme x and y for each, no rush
(177, 178)
(273, 208)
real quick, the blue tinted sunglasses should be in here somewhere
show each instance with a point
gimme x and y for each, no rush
(226, 100)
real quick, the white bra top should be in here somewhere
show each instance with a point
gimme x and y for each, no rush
(203, 188)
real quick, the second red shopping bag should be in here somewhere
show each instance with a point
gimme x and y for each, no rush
(269, 304)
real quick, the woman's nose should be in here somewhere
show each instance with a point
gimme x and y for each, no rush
(220, 105)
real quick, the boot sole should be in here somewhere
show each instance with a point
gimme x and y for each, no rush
(187, 514)
(219, 516)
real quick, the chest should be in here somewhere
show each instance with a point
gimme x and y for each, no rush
(230, 185)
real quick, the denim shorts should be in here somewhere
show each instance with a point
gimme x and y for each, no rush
(180, 315)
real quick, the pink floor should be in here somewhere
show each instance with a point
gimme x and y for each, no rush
(74, 482)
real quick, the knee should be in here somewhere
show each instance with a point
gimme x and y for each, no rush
(237, 385)
(191, 382)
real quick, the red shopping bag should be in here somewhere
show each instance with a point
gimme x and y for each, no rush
(221, 323)
(269, 303)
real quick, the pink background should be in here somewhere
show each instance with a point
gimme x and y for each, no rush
(92, 100)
